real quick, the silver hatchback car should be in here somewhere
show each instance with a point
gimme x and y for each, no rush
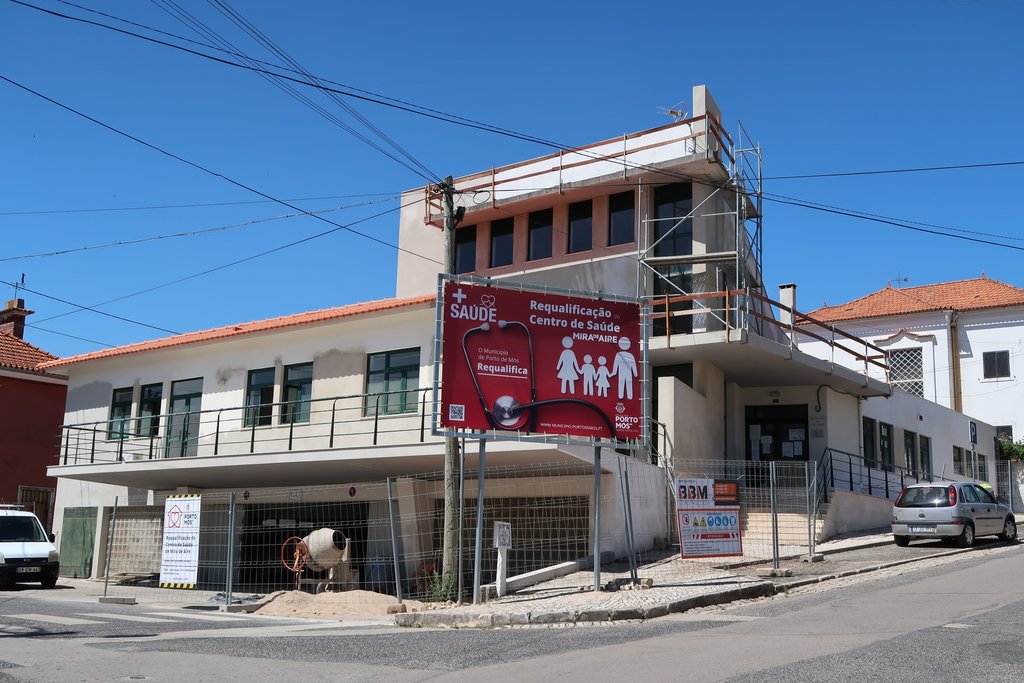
(952, 510)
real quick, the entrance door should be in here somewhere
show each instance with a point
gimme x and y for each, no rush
(183, 424)
(777, 432)
(78, 533)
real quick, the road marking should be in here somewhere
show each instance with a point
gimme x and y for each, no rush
(64, 621)
(126, 617)
(200, 617)
(715, 617)
(955, 625)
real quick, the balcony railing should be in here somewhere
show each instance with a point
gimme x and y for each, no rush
(749, 310)
(356, 420)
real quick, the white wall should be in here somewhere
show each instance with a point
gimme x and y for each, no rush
(945, 427)
(693, 420)
(995, 401)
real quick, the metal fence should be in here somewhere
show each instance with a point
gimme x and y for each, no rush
(1009, 484)
(782, 504)
(247, 540)
(394, 531)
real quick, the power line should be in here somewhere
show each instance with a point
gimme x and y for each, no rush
(236, 262)
(192, 206)
(841, 212)
(201, 28)
(89, 308)
(262, 38)
(204, 169)
(441, 116)
(193, 233)
(919, 169)
(69, 336)
(869, 216)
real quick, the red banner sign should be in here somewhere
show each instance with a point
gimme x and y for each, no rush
(541, 363)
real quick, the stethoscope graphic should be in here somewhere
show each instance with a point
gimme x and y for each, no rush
(507, 413)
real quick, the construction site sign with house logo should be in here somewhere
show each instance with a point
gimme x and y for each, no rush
(179, 562)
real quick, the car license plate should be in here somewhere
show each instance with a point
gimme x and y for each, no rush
(922, 530)
(27, 570)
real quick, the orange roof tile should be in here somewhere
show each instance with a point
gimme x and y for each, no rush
(961, 295)
(229, 331)
(20, 355)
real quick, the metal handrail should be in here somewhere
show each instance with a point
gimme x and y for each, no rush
(865, 467)
(98, 431)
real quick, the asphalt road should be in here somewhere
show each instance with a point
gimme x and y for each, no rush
(953, 617)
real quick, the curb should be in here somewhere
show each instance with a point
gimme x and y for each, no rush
(783, 587)
(441, 619)
(759, 589)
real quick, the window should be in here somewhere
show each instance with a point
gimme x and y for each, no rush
(673, 203)
(502, 233)
(621, 218)
(120, 414)
(982, 468)
(259, 397)
(958, 460)
(996, 364)
(885, 445)
(541, 228)
(870, 449)
(581, 226)
(674, 236)
(150, 399)
(185, 418)
(392, 380)
(465, 249)
(925, 452)
(297, 390)
(910, 452)
(906, 370)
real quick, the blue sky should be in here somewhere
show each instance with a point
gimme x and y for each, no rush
(823, 87)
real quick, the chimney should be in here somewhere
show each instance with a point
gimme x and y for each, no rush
(12, 318)
(787, 297)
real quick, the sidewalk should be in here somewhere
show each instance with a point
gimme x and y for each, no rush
(678, 585)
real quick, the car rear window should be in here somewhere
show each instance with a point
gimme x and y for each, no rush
(923, 497)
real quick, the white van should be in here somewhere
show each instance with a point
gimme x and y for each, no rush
(26, 552)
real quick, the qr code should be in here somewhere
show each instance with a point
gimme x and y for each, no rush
(457, 412)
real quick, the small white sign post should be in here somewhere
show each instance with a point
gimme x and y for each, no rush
(502, 541)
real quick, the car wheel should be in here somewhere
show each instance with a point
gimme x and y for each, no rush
(1009, 530)
(901, 541)
(966, 537)
(49, 580)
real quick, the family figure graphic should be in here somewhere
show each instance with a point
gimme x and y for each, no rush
(596, 379)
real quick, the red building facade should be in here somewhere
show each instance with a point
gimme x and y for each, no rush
(31, 413)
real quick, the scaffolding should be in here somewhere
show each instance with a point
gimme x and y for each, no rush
(710, 288)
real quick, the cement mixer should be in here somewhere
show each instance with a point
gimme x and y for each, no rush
(323, 550)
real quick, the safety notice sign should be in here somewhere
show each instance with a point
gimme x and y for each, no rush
(529, 361)
(707, 532)
(179, 563)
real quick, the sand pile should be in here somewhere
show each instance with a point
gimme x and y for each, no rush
(359, 603)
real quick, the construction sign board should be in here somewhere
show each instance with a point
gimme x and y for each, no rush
(179, 563)
(707, 532)
(535, 362)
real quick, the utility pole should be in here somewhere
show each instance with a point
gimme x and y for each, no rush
(450, 544)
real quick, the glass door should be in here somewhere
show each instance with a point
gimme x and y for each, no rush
(183, 424)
